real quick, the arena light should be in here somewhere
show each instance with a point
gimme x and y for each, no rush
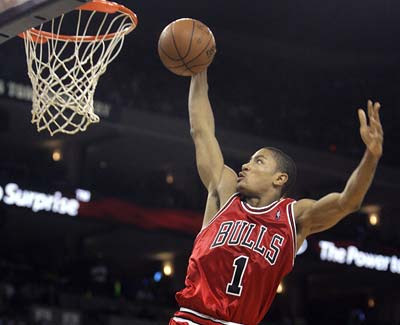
(280, 288)
(117, 288)
(162, 256)
(168, 269)
(373, 214)
(374, 219)
(371, 302)
(169, 178)
(157, 276)
(57, 155)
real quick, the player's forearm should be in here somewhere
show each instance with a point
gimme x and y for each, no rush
(359, 182)
(200, 112)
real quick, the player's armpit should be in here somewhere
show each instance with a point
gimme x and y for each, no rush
(316, 216)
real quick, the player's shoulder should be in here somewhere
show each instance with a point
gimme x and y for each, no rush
(229, 173)
(301, 206)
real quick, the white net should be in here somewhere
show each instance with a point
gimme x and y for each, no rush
(65, 72)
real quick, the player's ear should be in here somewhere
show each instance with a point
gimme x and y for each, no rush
(280, 179)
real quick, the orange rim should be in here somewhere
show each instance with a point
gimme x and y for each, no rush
(95, 5)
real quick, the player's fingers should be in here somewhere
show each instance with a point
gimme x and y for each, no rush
(380, 128)
(377, 110)
(374, 125)
(377, 124)
(362, 117)
(370, 108)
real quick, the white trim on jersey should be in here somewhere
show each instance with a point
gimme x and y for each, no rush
(222, 209)
(184, 320)
(290, 215)
(269, 207)
(196, 313)
(294, 224)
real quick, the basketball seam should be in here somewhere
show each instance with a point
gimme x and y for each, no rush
(166, 54)
(177, 51)
(205, 48)
(185, 64)
(198, 65)
(190, 43)
(195, 66)
(180, 66)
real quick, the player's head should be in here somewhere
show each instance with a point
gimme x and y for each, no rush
(269, 170)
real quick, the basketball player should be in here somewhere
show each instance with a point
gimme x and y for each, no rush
(251, 230)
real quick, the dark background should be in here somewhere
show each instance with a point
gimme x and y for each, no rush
(286, 74)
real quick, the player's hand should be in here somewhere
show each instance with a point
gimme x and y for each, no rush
(371, 134)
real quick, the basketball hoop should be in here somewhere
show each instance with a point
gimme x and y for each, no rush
(64, 68)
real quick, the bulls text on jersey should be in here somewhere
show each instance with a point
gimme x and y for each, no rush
(233, 233)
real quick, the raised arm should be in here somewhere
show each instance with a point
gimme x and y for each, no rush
(315, 216)
(219, 180)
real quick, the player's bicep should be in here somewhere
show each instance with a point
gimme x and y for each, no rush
(209, 159)
(316, 216)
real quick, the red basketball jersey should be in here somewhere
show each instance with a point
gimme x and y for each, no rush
(237, 263)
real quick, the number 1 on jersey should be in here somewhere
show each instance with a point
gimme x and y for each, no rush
(235, 286)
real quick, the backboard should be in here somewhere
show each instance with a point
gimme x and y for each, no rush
(16, 16)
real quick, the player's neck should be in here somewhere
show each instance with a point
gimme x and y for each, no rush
(262, 201)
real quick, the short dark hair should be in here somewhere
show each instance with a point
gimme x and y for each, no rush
(285, 164)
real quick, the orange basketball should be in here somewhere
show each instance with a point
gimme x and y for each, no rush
(186, 47)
